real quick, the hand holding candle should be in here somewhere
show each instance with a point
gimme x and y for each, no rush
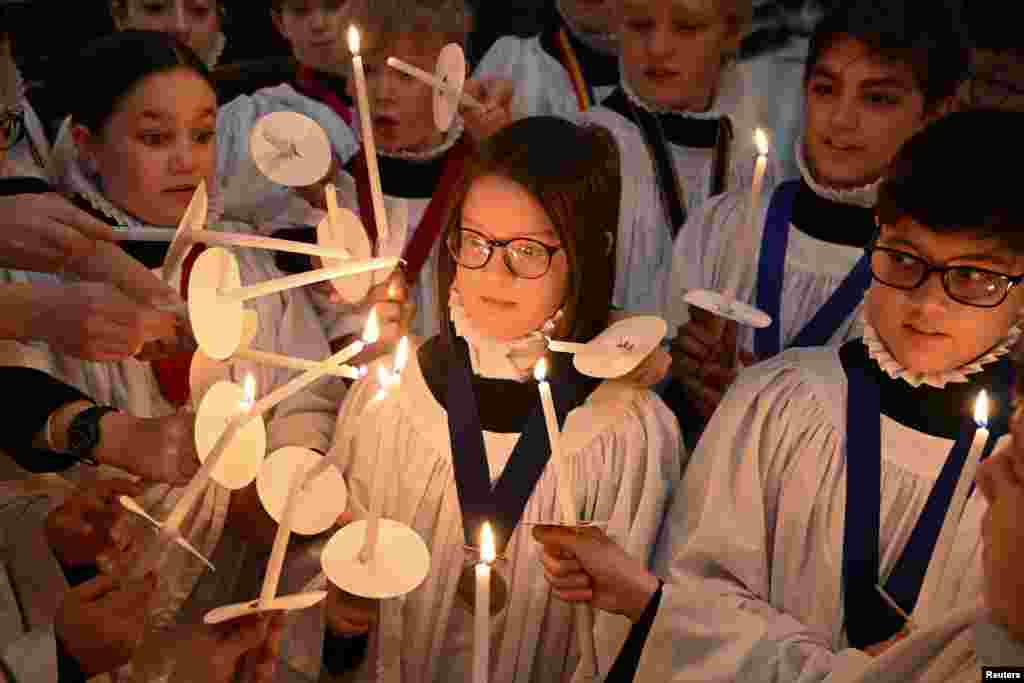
(482, 608)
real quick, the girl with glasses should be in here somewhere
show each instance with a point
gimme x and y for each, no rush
(829, 470)
(529, 250)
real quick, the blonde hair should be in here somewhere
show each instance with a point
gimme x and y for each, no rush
(739, 14)
(384, 21)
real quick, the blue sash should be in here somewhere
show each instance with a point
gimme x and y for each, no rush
(771, 269)
(869, 619)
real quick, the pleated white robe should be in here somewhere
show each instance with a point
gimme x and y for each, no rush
(755, 539)
(626, 451)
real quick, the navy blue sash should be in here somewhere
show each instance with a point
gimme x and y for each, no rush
(869, 619)
(503, 505)
(771, 269)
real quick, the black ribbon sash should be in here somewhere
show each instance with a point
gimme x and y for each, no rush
(598, 70)
(684, 131)
(869, 619)
(503, 505)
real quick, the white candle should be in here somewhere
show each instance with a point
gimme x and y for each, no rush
(482, 607)
(434, 81)
(229, 239)
(755, 187)
(282, 284)
(566, 485)
(197, 483)
(387, 380)
(565, 347)
(943, 546)
(272, 576)
(369, 147)
(290, 363)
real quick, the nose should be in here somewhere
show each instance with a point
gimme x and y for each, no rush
(930, 298)
(383, 83)
(660, 44)
(184, 157)
(845, 113)
(496, 267)
(318, 20)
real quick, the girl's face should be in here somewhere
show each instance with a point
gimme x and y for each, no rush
(315, 30)
(195, 23)
(500, 304)
(156, 147)
(401, 106)
(926, 330)
(859, 112)
(672, 56)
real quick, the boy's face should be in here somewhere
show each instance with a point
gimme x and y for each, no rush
(671, 56)
(315, 29)
(859, 112)
(592, 16)
(196, 23)
(997, 81)
(401, 106)
(926, 330)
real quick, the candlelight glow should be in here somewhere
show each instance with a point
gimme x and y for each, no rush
(249, 389)
(371, 332)
(761, 140)
(401, 356)
(981, 409)
(353, 40)
(540, 370)
(487, 551)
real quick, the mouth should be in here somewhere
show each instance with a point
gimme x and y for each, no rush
(497, 303)
(322, 44)
(843, 147)
(659, 74)
(181, 189)
(924, 332)
(385, 121)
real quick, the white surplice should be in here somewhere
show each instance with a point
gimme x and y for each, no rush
(644, 251)
(626, 451)
(755, 539)
(719, 249)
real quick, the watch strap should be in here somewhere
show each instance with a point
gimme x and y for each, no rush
(84, 433)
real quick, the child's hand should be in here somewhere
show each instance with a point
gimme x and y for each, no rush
(78, 531)
(158, 449)
(243, 650)
(999, 479)
(100, 621)
(349, 615)
(587, 566)
(496, 94)
(704, 358)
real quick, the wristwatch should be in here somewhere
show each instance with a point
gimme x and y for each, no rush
(84, 433)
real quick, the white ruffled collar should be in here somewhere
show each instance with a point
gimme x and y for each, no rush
(450, 138)
(73, 177)
(493, 358)
(865, 196)
(730, 84)
(892, 367)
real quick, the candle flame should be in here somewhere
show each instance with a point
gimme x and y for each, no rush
(353, 40)
(401, 356)
(249, 391)
(383, 379)
(487, 551)
(981, 409)
(371, 332)
(761, 140)
(540, 370)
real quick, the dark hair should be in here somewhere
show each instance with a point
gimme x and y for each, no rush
(573, 172)
(948, 179)
(430, 22)
(993, 26)
(923, 34)
(113, 65)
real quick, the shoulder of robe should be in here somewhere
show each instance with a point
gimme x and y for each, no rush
(505, 50)
(615, 406)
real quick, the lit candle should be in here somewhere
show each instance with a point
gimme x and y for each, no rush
(369, 147)
(565, 347)
(943, 546)
(434, 81)
(566, 485)
(387, 380)
(199, 480)
(282, 284)
(482, 607)
(272, 576)
(291, 363)
(761, 140)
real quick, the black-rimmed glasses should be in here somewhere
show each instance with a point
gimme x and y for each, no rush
(524, 257)
(967, 285)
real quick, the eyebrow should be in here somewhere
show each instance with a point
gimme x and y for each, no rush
(823, 71)
(993, 258)
(163, 116)
(479, 227)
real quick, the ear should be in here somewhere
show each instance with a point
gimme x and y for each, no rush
(733, 38)
(84, 142)
(119, 13)
(275, 19)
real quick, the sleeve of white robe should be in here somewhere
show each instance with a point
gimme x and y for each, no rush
(717, 621)
(542, 87)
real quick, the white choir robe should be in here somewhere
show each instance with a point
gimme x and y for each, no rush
(627, 454)
(248, 195)
(23, 159)
(288, 325)
(32, 584)
(718, 250)
(542, 85)
(644, 257)
(755, 539)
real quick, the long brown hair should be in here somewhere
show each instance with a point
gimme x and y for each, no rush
(573, 172)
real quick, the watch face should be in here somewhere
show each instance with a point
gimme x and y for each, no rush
(84, 432)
